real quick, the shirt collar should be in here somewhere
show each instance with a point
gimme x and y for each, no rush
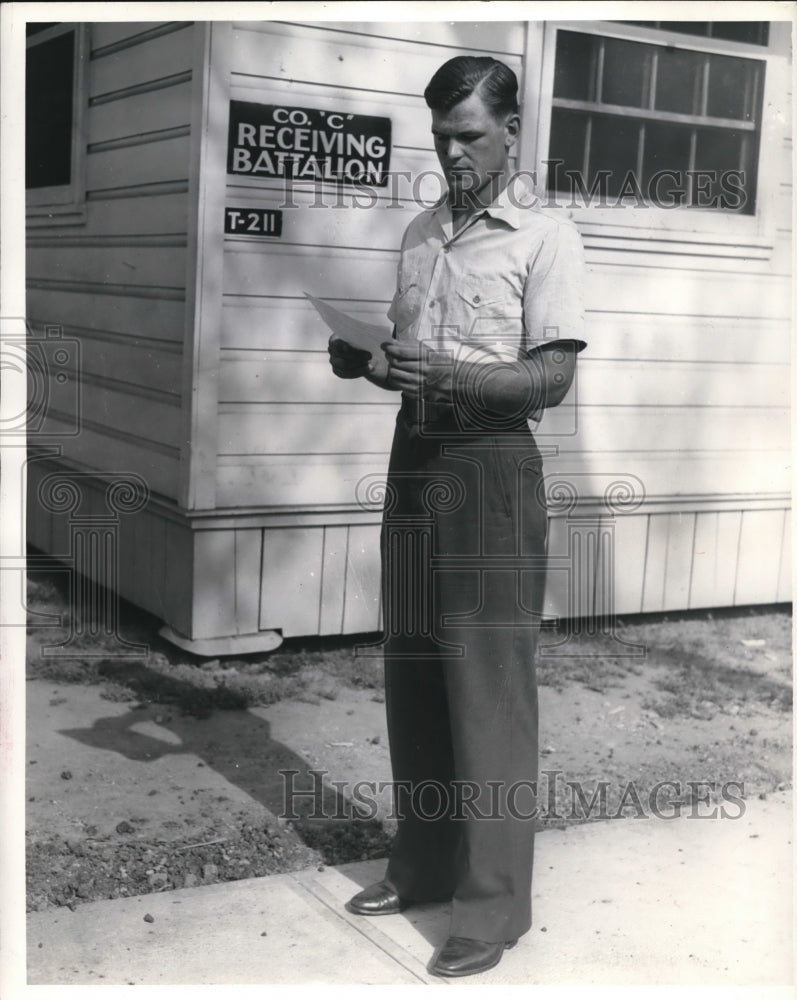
(506, 207)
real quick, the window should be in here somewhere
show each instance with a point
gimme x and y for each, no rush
(670, 125)
(54, 144)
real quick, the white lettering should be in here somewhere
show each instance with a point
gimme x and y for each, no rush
(266, 134)
(375, 147)
(246, 134)
(300, 138)
(241, 161)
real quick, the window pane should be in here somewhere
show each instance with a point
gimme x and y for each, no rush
(730, 87)
(752, 32)
(666, 149)
(678, 80)
(614, 148)
(685, 27)
(568, 130)
(624, 73)
(574, 72)
(34, 29)
(48, 112)
(718, 151)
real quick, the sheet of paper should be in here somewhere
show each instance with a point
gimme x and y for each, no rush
(365, 336)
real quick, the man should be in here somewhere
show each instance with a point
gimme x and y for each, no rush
(487, 318)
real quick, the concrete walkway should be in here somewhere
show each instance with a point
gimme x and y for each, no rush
(637, 901)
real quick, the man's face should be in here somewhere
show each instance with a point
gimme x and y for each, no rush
(472, 145)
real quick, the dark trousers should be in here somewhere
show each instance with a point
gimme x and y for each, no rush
(463, 550)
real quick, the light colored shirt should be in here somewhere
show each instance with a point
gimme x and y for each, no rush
(509, 280)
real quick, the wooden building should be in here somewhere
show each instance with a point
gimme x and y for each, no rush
(195, 363)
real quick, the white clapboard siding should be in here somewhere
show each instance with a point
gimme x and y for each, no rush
(95, 448)
(760, 547)
(126, 315)
(342, 60)
(140, 363)
(493, 37)
(164, 56)
(345, 274)
(687, 292)
(138, 115)
(114, 219)
(615, 335)
(153, 266)
(159, 163)
(127, 33)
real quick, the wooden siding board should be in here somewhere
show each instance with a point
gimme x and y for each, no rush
(680, 542)
(140, 113)
(100, 452)
(120, 168)
(213, 584)
(338, 275)
(363, 576)
(716, 545)
(248, 560)
(154, 266)
(173, 575)
(285, 324)
(760, 547)
(119, 218)
(126, 315)
(333, 583)
(612, 335)
(630, 534)
(104, 33)
(137, 364)
(489, 36)
(655, 563)
(290, 590)
(784, 592)
(158, 57)
(342, 60)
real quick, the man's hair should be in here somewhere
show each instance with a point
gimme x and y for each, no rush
(462, 75)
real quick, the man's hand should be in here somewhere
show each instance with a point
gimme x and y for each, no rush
(348, 361)
(418, 369)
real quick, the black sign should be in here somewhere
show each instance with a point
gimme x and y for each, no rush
(267, 140)
(253, 221)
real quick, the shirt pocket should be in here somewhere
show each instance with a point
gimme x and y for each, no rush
(488, 295)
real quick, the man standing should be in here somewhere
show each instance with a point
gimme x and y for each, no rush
(488, 318)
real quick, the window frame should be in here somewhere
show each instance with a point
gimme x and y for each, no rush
(681, 223)
(65, 203)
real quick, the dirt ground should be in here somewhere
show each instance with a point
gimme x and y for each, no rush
(166, 771)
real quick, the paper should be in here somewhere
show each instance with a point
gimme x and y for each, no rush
(364, 336)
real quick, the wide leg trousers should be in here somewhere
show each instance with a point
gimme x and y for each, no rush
(463, 554)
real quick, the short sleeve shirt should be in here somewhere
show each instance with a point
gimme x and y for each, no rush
(510, 280)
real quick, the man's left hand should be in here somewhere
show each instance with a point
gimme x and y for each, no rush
(418, 369)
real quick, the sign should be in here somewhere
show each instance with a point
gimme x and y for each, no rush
(253, 221)
(305, 144)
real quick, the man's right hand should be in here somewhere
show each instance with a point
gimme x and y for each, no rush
(348, 361)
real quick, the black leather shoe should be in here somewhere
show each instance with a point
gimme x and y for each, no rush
(461, 956)
(378, 900)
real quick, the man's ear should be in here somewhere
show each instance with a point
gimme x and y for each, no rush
(512, 129)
